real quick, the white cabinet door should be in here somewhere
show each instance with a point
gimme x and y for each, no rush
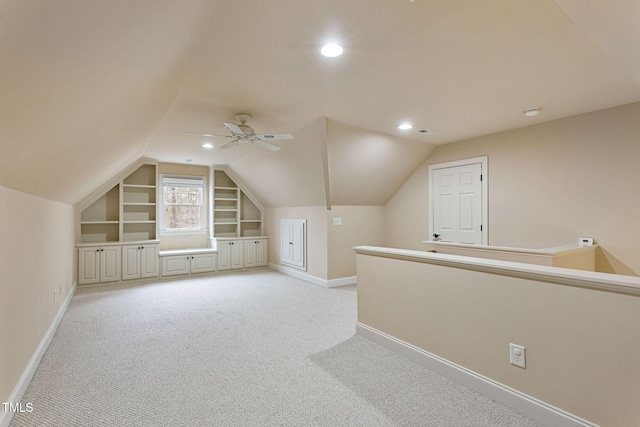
(202, 263)
(176, 265)
(98, 264)
(237, 255)
(230, 255)
(130, 262)
(250, 253)
(292, 242)
(224, 255)
(261, 253)
(110, 263)
(149, 261)
(255, 253)
(139, 261)
(88, 265)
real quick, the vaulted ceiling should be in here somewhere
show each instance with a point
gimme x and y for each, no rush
(86, 88)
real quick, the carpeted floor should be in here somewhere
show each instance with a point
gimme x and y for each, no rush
(247, 349)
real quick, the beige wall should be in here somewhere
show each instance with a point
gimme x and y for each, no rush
(37, 257)
(548, 185)
(361, 225)
(330, 252)
(316, 217)
(581, 344)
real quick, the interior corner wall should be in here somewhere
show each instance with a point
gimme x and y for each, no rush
(549, 184)
(316, 250)
(37, 258)
(360, 225)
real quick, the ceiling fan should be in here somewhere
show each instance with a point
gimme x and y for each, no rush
(243, 133)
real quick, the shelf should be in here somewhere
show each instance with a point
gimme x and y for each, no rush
(235, 214)
(125, 211)
(98, 222)
(138, 186)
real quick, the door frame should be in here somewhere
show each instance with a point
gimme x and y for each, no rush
(483, 160)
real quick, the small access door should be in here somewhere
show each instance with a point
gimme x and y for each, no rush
(458, 204)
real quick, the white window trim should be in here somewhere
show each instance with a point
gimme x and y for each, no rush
(204, 223)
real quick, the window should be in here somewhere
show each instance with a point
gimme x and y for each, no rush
(183, 204)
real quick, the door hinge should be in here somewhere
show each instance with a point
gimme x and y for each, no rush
(480, 177)
(480, 227)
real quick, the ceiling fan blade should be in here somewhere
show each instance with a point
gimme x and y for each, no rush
(230, 144)
(266, 145)
(269, 136)
(208, 135)
(234, 128)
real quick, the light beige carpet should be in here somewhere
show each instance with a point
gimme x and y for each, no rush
(247, 349)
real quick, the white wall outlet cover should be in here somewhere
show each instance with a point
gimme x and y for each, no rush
(337, 221)
(517, 355)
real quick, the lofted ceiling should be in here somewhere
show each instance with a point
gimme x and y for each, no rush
(86, 88)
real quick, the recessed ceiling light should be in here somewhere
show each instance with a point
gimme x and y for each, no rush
(207, 145)
(331, 50)
(532, 112)
(405, 126)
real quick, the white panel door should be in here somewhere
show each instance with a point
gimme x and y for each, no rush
(224, 255)
(110, 261)
(201, 263)
(149, 261)
(175, 265)
(261, 253)
(250, 253)
(88, 265)
(457, 203)
(130, 262)
(292, 242)
(237, 254)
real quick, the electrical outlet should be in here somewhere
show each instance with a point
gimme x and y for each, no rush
(517, 355)
(337, 221)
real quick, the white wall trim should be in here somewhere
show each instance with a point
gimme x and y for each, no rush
(343, 281)
(25, 379)
(529, 406)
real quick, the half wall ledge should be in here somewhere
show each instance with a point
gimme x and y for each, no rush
(564, 276)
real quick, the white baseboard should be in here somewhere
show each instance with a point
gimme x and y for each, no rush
(511, 398)
(30, 369)
(343, 281)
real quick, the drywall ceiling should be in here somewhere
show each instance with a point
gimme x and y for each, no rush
(88, 87)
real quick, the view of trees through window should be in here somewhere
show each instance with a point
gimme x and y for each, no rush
(183, 206)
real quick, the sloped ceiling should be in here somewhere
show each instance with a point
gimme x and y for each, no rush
(88, 87)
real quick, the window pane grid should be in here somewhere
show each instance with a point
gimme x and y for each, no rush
(183, 201)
